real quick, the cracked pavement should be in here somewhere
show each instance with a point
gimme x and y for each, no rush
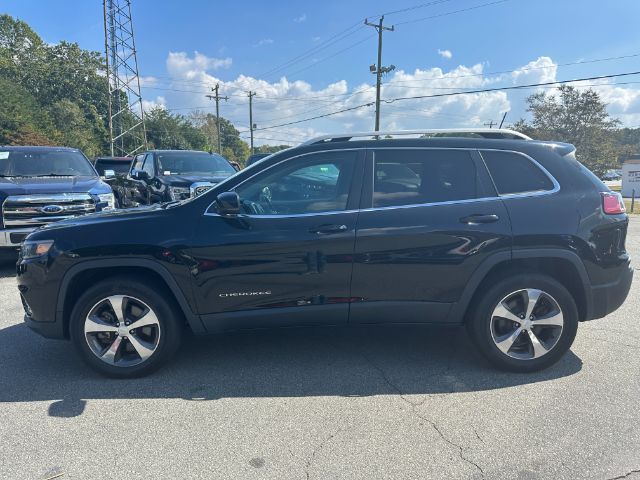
(324, 403)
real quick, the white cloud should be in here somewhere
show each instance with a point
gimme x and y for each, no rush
(445, 53)
(262, 42)
(541, 70)
(301, 18)
(148, 81)
(179, 64)
(287, 101)
(151, 104)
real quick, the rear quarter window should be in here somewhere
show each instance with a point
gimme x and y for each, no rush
(515, 173)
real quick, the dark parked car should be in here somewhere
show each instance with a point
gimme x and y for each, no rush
(167, 175)
(113, 166)
(114, 170)
(254, 158)
(512, 237)
(41, 185)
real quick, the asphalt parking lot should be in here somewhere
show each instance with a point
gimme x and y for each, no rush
(324, 403)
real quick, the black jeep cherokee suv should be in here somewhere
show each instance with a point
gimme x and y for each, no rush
(512, 237)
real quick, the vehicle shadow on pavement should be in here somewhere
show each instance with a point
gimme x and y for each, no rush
(295, 362)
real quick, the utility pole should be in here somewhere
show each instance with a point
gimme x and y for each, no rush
(127, 132)
(490, 124)
(503, 118)
(378, 69)
(217, 98)
(251, 125)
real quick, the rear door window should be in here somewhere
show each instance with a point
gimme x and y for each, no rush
(515, 173)
(418, 176)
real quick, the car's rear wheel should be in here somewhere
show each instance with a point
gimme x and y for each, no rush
(524, 323)
(125, 327)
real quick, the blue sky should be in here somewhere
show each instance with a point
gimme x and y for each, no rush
(190, 45)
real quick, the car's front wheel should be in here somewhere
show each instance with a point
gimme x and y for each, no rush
(124, 327)
(524, 323)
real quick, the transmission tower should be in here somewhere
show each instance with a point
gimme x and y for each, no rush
(127, 133)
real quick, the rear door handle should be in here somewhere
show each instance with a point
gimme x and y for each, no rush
(328, 228)
(479, 218)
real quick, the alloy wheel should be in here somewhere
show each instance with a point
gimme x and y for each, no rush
(526, 324)
(122, 331)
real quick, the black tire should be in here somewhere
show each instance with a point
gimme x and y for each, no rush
(479, 321)
(155, 296)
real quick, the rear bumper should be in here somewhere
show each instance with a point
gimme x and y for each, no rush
(608, 298)
(13, 238)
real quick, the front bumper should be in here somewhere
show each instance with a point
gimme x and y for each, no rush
(608, 298)
(14, 237)
(53, 329)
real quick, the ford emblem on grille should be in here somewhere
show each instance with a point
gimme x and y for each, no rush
(51, 209)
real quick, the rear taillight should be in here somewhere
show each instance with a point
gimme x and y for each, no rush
(612, 203)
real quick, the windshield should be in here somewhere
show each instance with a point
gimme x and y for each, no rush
(180, 163)
(44, 163)
(121, 167)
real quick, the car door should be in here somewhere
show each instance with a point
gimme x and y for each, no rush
(430, 217)
(287, 258)
(143, 185)
(129, 185)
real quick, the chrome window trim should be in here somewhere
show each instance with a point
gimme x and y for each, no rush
(537, 193)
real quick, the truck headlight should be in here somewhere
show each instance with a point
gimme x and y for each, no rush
(179, 193)
(109, 199)
(35, 248)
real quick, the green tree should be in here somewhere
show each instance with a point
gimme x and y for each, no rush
(271, 148)
(575, 117)
(78, 129)
(169, 131)
(21, 120)
(233, 147)
(61, 90)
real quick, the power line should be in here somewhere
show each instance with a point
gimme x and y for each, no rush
(312, 51)
(515, 87)
(353, 45)
(452, 13)
(408, 9)
(316, 117)
(523, 69)
(438, 95)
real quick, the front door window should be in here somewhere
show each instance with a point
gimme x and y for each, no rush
(311, 184)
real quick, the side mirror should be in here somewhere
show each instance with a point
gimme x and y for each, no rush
(228, 203)
(109, 173)
(139, 175)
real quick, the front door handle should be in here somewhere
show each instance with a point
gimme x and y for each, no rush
(479, 218)
(328, 228)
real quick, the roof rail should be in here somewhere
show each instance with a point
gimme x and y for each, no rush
(495, 133)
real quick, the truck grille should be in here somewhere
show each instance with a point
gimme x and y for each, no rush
(34, 210)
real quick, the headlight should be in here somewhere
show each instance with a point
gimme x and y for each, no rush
(35, 249)
(109, 199)
(179, 193)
